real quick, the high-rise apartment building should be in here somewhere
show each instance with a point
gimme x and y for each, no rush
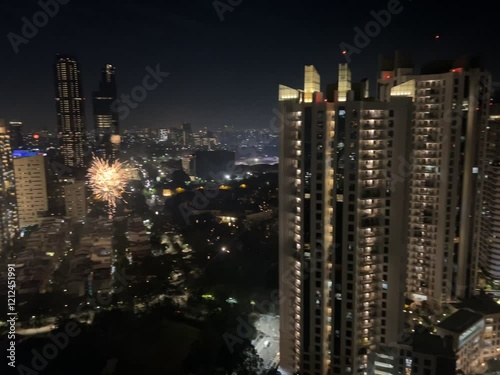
(414, 195)
(487, 242)
(307, 208)
(340, 264)
(31, 189)
(106, 118)
(187, 134)
(8, 208)
(369, 292)
(75, 200)
(70, 105)
(16, 135)
(450, 109)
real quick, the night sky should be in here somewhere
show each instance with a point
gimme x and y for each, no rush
(221, 73)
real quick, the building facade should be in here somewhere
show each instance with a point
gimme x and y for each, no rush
(31, 189)
(451, 103)
(340, 265)
(418, 353)
(75, 199)
(16, 135)
(307, 207)
(488, 240)
(370, 295)
(9, 225)
(70, 105)
(106, 117)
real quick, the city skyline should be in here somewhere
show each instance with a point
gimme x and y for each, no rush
(235, 187)
(208, 62)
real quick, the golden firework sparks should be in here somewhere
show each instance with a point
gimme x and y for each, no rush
(108, 180)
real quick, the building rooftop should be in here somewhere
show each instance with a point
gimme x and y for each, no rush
(482, 304)
(460, 321)
(427, 343)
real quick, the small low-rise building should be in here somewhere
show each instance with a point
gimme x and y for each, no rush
(418, 353)
(466, 328)
(490, 310)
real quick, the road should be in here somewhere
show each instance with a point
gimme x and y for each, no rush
(35, 331)
(267, 342)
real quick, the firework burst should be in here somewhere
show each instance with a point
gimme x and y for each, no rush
(108, 180)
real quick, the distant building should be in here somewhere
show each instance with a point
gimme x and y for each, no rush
(214, 165)
(187, 165)
(175, 135)
(39, 255)
(163, 135)
(16, 135)
(70, 104)
(9, 225)
(75, 200)
(139, 241)
(187, 134)
(96, 245)
(31, 189)
(106, 118)
(204, 140)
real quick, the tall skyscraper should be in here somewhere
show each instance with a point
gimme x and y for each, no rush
(187, 134)
(487, 242)
(70, 105)
(369, 293)
(451, 101)
(106, 119)
(31, 189)
(16, 135)
(8, 208)
(342, 249)
(307, 249)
